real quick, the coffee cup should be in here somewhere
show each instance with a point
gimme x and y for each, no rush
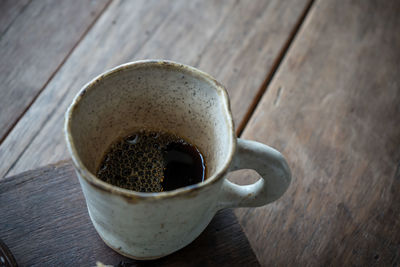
(179, 99)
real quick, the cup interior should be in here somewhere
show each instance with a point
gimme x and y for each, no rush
(152, 95)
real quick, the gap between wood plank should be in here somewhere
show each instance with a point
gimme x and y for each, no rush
(275, 66)
(54, 72)
(290, 30)
(66, 92)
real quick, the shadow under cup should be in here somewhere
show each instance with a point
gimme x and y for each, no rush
(161, 96)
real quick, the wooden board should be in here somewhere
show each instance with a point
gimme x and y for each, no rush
(9, 11)
(238, 42)
(34, 46)
(45, 223)
(333, 109)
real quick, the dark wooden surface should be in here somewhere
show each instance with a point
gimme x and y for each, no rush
(238, 42)
(38, 38)
(333, 109)
(9, 11)
(44, 222)
(317, 79)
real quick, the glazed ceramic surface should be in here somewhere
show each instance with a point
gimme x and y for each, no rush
(167, 96)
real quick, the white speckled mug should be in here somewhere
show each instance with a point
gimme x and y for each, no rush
(167, 96)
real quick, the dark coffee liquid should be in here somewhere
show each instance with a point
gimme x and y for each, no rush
(152, 162)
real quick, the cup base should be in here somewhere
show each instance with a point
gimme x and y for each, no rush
(131, 256)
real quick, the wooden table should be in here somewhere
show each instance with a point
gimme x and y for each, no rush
(46, 223)
(318, 80)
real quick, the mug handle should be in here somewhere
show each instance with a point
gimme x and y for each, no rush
(268, 163)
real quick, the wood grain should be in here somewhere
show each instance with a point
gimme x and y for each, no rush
(9, 11)
(333, 109)
(46, 223)
(34, 46)
(235, 41)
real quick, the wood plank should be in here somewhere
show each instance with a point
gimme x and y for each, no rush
(333, 109)
(46, 223)
(34, 46)
(9, 11)
(235, 41)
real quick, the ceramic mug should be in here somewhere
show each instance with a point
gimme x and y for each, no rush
(174, 98)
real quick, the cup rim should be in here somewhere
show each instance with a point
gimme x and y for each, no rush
(130, 195)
